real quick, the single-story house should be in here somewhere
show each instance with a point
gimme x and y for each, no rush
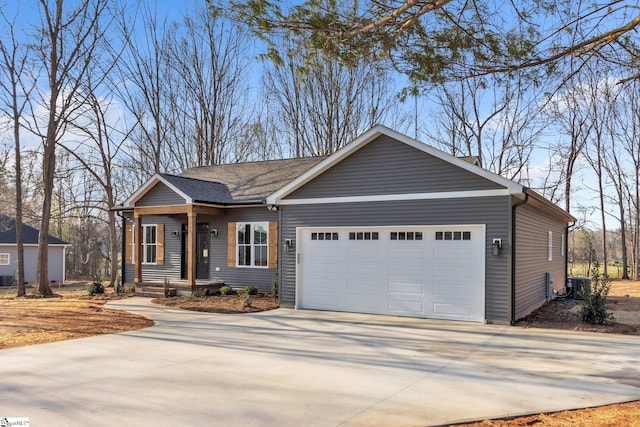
(9, 253)
(386, 225)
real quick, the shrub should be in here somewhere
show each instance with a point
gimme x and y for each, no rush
(95, 288)
(250, 290)
(246, 299)
(200, 292)
(166, 286)
(274, 286)
(593, 309)
(132, 289)
(119, 286)
(225, 290)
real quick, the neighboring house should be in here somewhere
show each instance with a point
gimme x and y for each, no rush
(385, 225)
(9, 253)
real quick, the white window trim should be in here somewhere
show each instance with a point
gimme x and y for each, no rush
(8, 255)
(550, 246)
(145, 245)
(562, 245)
(252, 245)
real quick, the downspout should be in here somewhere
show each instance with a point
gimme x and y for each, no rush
(513, 253)
(566, 252)
(280, 256)
(123, 247)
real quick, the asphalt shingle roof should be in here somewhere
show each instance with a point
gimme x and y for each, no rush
(30, 234)
(199, 190)
(253, 181)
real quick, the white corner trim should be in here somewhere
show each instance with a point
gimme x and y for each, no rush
(398, 197)
(370, 135)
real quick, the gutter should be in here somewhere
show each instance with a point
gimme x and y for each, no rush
(513, 252)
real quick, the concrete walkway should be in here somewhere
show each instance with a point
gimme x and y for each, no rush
(309, 368)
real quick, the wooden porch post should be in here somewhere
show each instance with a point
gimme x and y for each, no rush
(191, 249)
(137, 248)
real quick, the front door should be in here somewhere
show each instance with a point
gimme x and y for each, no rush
(202, 251)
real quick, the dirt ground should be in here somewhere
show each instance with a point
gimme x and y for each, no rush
(623, 302)
(74, 314)
(228, 304)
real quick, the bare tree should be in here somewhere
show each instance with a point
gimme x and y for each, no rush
(68, 38)
(568, 111)
(323, 104)
(144, 85)
(626, 128)
(501, 136)
(16, 91)
(210, 105)
(98, 147)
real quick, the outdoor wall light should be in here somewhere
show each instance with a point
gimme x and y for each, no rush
(496, 245)
(176, 233)
(214, 232)
(288, 245)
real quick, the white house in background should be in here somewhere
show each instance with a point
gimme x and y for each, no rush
(9, 253)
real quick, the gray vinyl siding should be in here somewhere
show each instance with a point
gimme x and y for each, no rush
(492, 211)
(532, 227)
(239, 276)
(386, 166)
(171, 267)
(161, 195)
(56, 263)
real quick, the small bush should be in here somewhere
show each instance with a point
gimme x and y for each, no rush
(246, 299)
(95, 288)
(593, 309)
(166, 286)
(132, 289)
(250, 290)
(225, 290)
(119, 286)
(274, 286)
(200, 292)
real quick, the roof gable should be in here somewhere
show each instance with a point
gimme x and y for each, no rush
(386, 166)
(29, 234)
(481, 178)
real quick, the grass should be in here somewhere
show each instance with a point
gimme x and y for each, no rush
(581, 269)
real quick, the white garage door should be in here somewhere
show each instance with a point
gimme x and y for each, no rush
(423, 271)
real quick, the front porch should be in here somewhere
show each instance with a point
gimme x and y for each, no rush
(194, 252)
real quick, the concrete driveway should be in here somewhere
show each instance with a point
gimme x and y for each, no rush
(309, 368)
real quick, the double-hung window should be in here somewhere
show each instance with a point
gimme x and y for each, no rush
(149, 244)
(4, 259)
(252, 244)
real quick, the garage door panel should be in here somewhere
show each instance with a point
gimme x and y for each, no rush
(405, 254)
(402, 271)
(363, 304)
(453, 272)
(447, 291)
(408, 307)
(453, 311)
(354, 285)
(415, 288)
(418, 271)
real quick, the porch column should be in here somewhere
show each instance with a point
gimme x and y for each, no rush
(137, 248)
(191, 248)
